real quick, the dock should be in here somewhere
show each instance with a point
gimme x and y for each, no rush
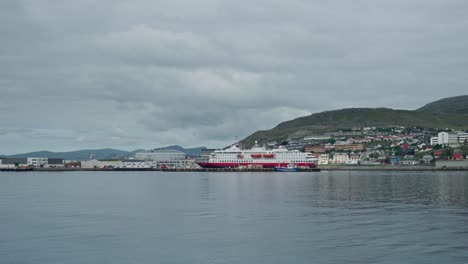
(159, 169)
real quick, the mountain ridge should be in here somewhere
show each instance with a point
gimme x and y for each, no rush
(104, 153)
(428, 116)
(455, 105)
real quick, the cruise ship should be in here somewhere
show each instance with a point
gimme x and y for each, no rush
(258, 156)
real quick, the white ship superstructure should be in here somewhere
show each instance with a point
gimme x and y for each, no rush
(260, 156)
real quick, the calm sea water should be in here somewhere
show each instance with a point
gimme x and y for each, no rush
(156, 217)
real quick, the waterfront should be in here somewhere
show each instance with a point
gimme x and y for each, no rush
(231, 217)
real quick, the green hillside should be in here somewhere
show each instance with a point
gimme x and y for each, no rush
(361, 117)
(456, 105)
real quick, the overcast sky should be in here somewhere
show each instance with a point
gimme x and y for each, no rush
(148, 73)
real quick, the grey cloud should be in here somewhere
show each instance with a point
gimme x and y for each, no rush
(139, 74)
(11, 130)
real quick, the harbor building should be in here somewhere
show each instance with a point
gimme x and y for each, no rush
(4, 165)
(15, 162)
(100, 164)
(36, 161)
(55, 163)
(134, 164)
(164, 158)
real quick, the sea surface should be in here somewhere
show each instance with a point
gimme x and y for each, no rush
(171, 217)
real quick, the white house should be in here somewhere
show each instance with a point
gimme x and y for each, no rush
(324, 159)
(342, 158)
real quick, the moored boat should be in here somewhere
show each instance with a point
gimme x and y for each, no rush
(288, 168)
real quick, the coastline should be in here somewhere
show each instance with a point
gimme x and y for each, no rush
(318, 169)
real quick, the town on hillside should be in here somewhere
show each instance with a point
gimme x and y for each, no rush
(359, 146)
(384, 146)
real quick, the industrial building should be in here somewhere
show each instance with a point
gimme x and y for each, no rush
(37, 162)
(31, 162)
(134, 164)
(164, 158)
(55, 163)
(100, 164)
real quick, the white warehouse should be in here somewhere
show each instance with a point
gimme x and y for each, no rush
(167, 157)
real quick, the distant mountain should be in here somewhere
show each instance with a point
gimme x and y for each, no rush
(319, 123)
(190, 151)
(454, 105)
(77, 155)
(98, 153)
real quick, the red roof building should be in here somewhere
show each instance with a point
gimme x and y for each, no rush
(457, 156)
(438, 152)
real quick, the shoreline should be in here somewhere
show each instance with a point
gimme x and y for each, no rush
(318, 169)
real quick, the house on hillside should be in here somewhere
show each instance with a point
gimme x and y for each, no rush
(409, 161)
(382, 160)
(341, 158)
(457, 156)
(354, 159)
(438, 153)
(407, 152)
(323, 159)
(426, 159)
(394, 160)
(316, 149)
(405, 146)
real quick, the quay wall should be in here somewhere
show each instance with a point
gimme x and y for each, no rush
(452, 164)
(445, 166)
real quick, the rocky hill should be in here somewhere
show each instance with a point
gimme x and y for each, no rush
(445, 113)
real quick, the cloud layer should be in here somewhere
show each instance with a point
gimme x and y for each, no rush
(142, 74)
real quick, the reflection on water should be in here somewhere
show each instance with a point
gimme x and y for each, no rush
(436, 189)
(148, 217)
